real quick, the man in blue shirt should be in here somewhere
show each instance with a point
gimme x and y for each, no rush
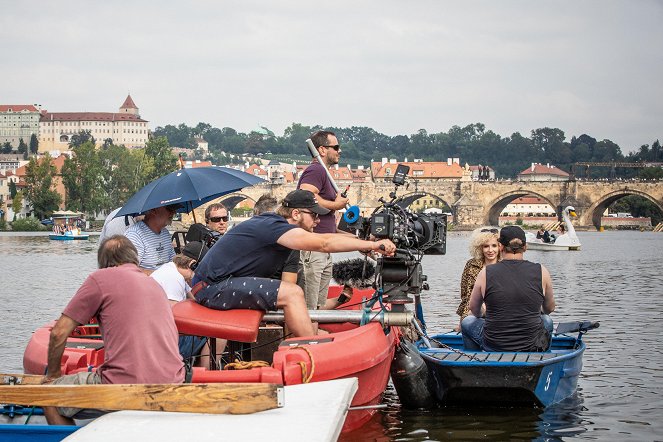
(236, 272)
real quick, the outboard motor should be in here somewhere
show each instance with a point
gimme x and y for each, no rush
(409, 373)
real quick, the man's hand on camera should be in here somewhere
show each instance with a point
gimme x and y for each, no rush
(385, 247)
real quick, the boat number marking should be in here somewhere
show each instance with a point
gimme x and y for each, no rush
(548, 381)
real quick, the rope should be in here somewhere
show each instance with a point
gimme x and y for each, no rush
(306, 378)
(246, 365)
(447, 347)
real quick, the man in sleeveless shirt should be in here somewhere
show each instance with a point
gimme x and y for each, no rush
(516, 296)
(317, 266)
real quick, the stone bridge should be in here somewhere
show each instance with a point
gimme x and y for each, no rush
(476, 203)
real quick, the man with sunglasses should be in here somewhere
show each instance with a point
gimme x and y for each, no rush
(216, 218)
(317, 266)
(237, 271)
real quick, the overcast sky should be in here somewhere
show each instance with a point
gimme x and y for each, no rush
(590, 67)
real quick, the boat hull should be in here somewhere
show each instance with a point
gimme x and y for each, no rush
(57, 237)
(551, 247)
(503, 378)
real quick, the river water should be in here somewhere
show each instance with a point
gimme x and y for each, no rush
(616, 279)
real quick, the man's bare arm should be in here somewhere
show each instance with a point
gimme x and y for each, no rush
(476, 298)
(337, 204)
(300, 239)
(56, 343)
(548, 296)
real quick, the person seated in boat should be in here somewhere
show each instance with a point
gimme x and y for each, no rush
(258, 247)
(485, 251)
(117, 226)
(292, 268)
(136, 320)
(516, 296)
(216, 224)
(175, 279)
(152, 239)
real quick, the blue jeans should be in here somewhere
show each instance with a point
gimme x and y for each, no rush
(472, 330)
(191, 346)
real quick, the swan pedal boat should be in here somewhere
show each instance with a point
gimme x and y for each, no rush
(480, 378)
(65, 237)
(348, 351)
(567, 241)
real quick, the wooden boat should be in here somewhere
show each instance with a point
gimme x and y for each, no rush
(505, 378)
(349, 350)
(317, 411)
(568, 241)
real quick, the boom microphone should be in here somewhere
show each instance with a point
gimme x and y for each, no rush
(357, 273)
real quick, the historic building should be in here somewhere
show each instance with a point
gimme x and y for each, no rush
(419, 170)
(543, 172)
(125, 127)
(18, 121)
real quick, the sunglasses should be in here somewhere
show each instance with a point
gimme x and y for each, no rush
(489, 230)
(313, 214)
(216, 219)
(336, 147)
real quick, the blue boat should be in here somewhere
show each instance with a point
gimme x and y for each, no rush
(65, 237)
(27, 424)
(460, 377)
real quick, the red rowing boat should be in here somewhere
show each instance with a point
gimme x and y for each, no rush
(349, 350)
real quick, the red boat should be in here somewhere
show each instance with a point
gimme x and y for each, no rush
(349, 350)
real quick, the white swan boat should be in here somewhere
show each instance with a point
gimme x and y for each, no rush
(567, 241)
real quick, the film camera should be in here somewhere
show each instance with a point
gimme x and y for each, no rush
(200, 232)
(414, 234)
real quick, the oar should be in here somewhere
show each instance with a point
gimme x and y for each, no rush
(188, 398)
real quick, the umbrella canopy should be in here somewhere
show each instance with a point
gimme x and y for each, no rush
(189, 187)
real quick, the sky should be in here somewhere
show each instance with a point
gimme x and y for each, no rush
(591, 67)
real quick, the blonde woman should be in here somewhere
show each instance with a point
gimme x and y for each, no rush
(485, 250)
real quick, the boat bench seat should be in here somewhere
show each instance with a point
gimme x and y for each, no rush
(193, 319)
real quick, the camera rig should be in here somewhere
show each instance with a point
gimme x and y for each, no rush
(414, 235)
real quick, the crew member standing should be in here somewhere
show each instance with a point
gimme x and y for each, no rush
(317, 266)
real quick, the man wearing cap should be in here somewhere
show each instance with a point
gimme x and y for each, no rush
(516, 295)
(259, 247)
(317, 266)
(174, 278)
(151, 238)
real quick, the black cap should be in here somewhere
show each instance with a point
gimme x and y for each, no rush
(195, 250)
(303, 199)
(509, 233)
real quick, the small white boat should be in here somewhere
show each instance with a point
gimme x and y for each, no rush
(567, 241)
(311, 412)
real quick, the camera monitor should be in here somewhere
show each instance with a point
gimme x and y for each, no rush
(401, 173)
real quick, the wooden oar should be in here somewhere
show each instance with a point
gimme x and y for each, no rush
(189, 398)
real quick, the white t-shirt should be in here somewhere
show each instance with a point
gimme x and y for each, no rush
(172, 282)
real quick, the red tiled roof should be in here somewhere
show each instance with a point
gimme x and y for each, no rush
(88, 116)
(542, 169)
(428, 169)
(128, 103)
(18, 108)
(194, 164)
(529, 200)
(254, 169)
(57, 162)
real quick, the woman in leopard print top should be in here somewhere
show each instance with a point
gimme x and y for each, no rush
(484, 250)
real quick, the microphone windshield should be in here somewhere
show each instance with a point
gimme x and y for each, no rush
(357, 272)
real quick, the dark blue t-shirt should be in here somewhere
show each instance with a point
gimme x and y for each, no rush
(248, 249)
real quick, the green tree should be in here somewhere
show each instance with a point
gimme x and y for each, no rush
(34, 144)
(17, 203)
(22, 147)
(651, 173)
(161, 155)
(12, 189)
(7, 147)
(121, 174)
(40, 187)
(81, 175)
(80, 138)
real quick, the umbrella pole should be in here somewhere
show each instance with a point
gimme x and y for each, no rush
(193, 212)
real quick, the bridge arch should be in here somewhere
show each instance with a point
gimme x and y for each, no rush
(496, 206)
(594, 212)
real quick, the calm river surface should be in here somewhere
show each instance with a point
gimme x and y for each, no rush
(616, 279)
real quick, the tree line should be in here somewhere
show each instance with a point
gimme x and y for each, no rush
(473, 144)
(94, 178)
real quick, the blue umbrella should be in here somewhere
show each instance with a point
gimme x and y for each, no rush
(188, 187)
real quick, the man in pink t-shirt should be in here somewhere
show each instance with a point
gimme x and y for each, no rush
(137, 325)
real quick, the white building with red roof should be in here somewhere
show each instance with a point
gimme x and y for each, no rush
(420, 170)
(18, 121)
(528, 206)
(125, 127)
(543, 172)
